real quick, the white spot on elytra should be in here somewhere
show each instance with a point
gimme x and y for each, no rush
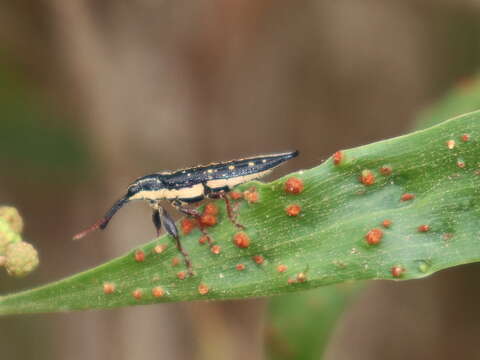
(251, 163)
(231, 167)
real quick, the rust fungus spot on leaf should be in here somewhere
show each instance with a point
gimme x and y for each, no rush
(187, 226)
(367, 178)
(301, 277)
(235, 195)
(424, 228)
(216, 249)
(139, 256)
(240, 267)
(159, 248)
(181, 275)
(203, 289)
(108, 288)
(175, 261)
(158, 291)
(460, 163)
(386, 170)
(137, 294)
(338, 157)
(294, 185)
(282, 268)
(293, 210)
(208, 220)
(251, 195)
(407, 197)
(397, 271)
(465, 137)
(258, 259)
(241, 240)
(203, 239)
(386, 223)
(211, 209)
(450, 144)
(374, 236)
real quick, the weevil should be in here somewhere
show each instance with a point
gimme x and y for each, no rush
(186, 186)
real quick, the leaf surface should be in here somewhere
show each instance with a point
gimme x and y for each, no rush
(434, 227)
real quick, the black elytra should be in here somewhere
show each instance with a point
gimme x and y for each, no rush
(184, 186)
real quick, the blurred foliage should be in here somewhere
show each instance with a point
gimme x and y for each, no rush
(33, 147)
(300, 325)
(461, 99)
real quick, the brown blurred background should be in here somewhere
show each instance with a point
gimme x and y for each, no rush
(96, 93)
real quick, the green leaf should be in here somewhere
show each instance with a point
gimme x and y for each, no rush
(325, 242)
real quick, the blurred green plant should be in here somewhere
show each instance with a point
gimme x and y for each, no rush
(300, 325)
(31, 145)
(402, 208)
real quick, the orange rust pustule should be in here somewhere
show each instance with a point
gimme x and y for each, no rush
(338, 157)
(374, 236)
(301, 277)
(137, 294)
(203, 289)
(367, 178)
(181, 275)
(158, 291)
(139, 256)
(397, 271)
(175, 261)
(461, 164)
(293, 210)
(450, 144)
(424, 228)
(203, 239)
(465, 137)
(294, 185)
(282, 268)
(240, 267)
(386, 170)
(208, 220)
(158, 249)
(210, 209)
(258, 259)
(235, 195)
(241, 240)
(386, 223)
(187, 225)
(251, 195)
(108, 288)
(407, 197)
(215, 249)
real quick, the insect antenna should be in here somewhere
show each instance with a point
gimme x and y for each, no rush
(103, 222)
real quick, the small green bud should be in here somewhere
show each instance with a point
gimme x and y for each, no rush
(21, 259)
(11, 216)
(7, 236)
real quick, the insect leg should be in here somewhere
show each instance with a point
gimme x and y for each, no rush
(171, 228)
(228, 205)
(157, 221)
(193, 213)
